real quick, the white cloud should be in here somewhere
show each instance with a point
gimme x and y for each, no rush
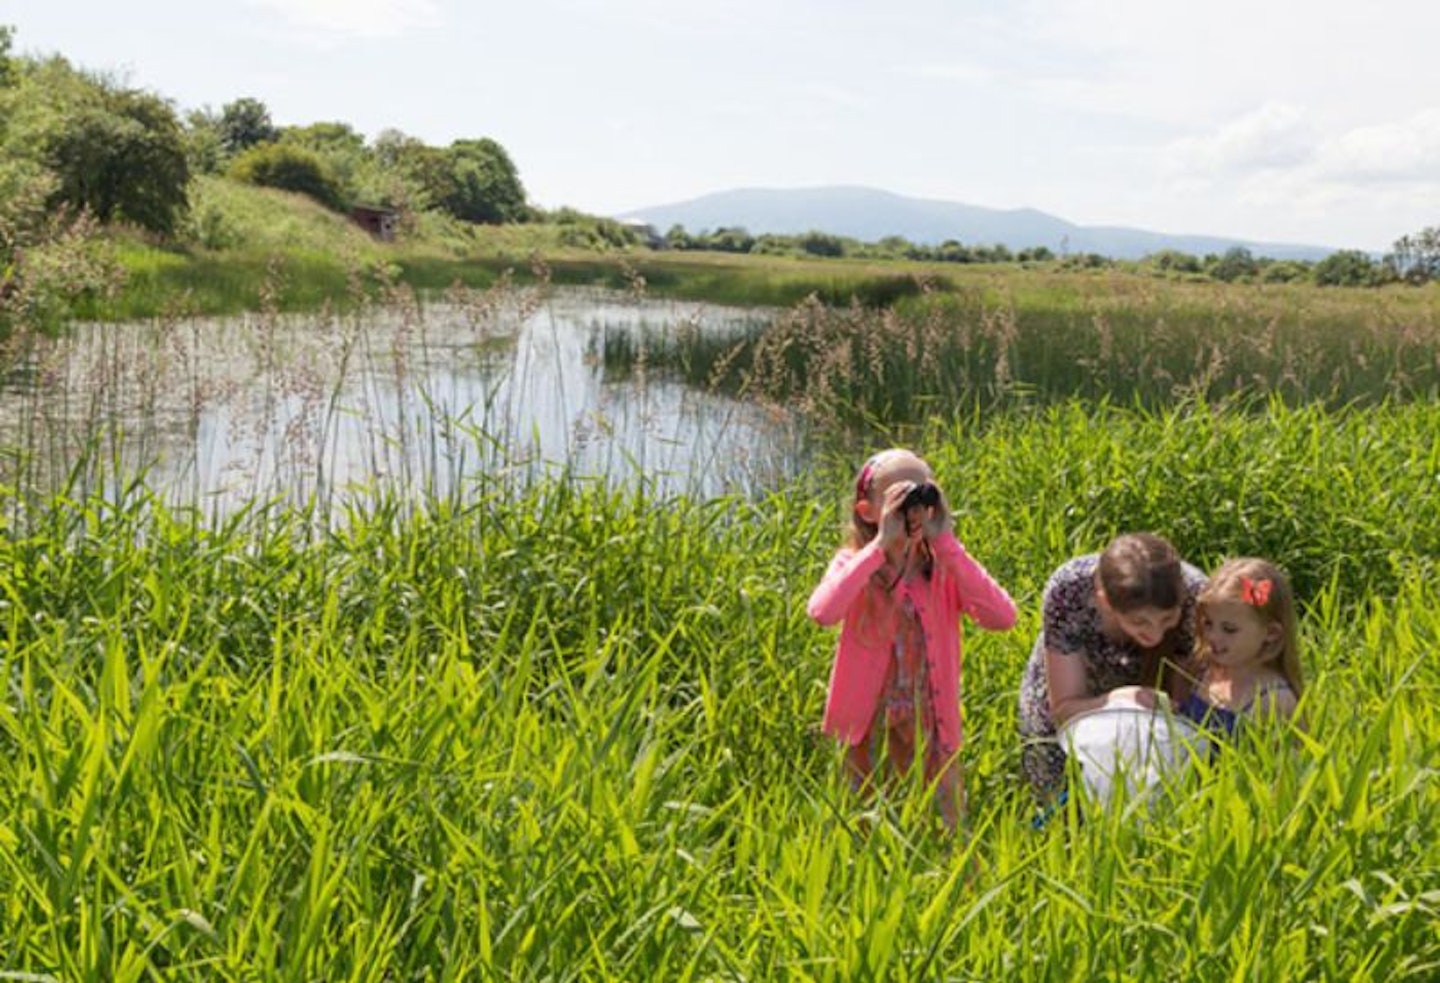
(1274, 175)
(1274, 136)
(1278, 139)
(1403, 150)
(357, 18)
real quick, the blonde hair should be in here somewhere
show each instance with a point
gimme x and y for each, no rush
(1263, 586)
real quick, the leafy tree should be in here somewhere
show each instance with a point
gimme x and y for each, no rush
(1174, 261)
(204, 149)
(1235, 264)
(123, 157)
(397, 170)
(1285, 271)
(1085, 261)
(1346, 268)
(325, 138)
(277, 165)
(1417, 257)
(245, 123)
(822, 244)
(115, 152)
(953, 251)
(7, 72)
(894, 246)
(773, 244)
(735, 240)
(391, 147)
(423, 169)
(342, 150)
(482, 184)
(678, 238)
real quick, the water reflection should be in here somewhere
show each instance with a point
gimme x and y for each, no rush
(224, 412)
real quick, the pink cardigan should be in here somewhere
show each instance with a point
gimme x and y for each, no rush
(959, 585)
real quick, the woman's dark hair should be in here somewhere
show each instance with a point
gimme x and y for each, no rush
(1141, 570)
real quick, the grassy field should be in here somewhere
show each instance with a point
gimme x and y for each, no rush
(568, 733)
(244, 245)
(555, 731)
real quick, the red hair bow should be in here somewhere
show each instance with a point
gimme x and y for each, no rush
(1256, 592)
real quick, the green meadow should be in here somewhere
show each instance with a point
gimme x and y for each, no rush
(554, 730)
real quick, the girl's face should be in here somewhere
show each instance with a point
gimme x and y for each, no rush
(1237, 635)
(1146, 626)
(895, 469)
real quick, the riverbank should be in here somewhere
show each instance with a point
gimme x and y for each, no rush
(247, 248)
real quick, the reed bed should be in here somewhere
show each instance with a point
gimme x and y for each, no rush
(998, 342)
(558, 730)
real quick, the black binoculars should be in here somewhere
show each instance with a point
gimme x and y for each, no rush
(924, 494)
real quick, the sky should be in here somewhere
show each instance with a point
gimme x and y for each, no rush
(1312, 122)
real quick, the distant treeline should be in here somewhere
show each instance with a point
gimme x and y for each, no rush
(1414, 259)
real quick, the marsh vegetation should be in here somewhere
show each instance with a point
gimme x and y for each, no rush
(532, 725)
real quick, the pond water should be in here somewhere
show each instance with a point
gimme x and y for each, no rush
(224, 412)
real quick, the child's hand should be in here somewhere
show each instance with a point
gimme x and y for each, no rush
(894, 528)
(938, 520)
(1141, 696)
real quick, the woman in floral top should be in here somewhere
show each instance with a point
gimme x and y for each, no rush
(1117, 624)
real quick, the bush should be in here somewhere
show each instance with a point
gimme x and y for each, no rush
(1236, 264)
(1284, 271)
(1173, 261)
(289, 168)
(210, 228)
(1347, 268)
(822, 244)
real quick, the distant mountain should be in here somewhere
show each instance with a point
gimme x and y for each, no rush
(869, 215)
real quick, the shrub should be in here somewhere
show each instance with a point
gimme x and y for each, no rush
(289, 168)
(1347, 268)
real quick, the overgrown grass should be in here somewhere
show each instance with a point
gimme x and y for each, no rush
(1002, 340)
(559, 731)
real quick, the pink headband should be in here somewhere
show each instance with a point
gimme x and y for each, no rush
(867, 474)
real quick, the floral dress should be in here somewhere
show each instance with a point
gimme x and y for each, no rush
(908, 705)
(907, 694)
(1072, 625)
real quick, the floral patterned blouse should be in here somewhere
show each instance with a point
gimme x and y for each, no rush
(1072, 626)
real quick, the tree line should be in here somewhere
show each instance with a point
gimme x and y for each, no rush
(81, 149)
(123, 154)
(1414, 258)
(471, 179)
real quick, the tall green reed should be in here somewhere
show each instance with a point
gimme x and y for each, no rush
(1019, 339)
(559, 730)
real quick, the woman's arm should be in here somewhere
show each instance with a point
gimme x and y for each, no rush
(1065, 678)
(1069, 695)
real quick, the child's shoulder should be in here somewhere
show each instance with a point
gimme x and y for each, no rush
(1272, 694)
